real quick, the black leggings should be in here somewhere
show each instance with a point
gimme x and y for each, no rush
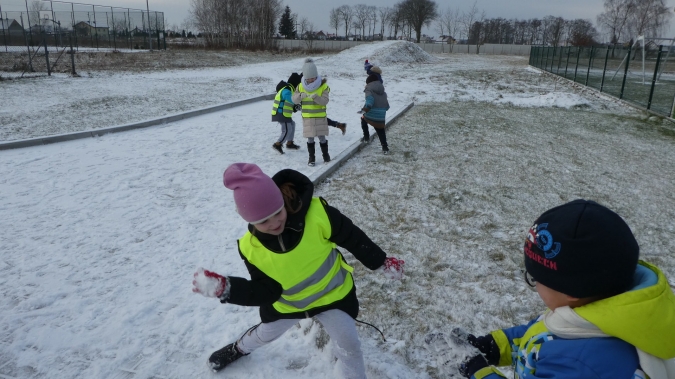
(381, 133)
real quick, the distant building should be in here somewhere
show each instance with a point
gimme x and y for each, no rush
(10, 27)
(84, 28)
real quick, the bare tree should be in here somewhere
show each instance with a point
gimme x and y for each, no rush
(648, 18)
(304, 26)
(362, 15)
(373, 17)
(615, 17)
(230, 23)
(554, 28)
(396, 21)
(347, 14)
(469, 17)
(385, 15)
(419, 13)
(335, 20)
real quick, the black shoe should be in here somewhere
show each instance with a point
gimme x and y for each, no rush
(224, 356)
(292, 146)
(365, 139)
(385, 150)
(277, 147)
(342, 126)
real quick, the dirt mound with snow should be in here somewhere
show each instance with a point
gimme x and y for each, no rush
(385, 53)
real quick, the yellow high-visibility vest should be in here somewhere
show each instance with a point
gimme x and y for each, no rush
(311, 109)
(287, 109)
(313, 274)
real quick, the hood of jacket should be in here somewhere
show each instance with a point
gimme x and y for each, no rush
(643, 316)
(295, 222)
(375, 88)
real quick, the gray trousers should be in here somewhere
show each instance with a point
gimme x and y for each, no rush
(340, 327)
(287, 131)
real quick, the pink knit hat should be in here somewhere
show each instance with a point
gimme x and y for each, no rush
(256, 195)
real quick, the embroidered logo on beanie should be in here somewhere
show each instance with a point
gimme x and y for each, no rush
(581, 249)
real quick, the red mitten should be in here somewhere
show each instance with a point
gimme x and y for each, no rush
(210, 284)
(393, 267)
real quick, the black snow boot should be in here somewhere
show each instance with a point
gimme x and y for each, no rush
(324, 152)
(310, 150)
(382, 135)
(366, 133)
(224, 357)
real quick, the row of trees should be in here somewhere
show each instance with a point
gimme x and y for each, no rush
(236, 23)
(253, 23)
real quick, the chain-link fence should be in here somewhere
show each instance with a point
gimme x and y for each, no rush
(41, 59)
(37, 27)
(642, 76)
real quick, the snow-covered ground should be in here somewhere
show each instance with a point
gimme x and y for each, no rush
(100, 236)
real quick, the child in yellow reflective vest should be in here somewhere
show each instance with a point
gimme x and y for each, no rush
(290, 251)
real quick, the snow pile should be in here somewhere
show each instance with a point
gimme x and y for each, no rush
(552, 99)
(385, 53)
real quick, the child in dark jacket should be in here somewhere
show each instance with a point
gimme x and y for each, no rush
(282, 112)
(297, 272)
(609, 315)
(375, 112)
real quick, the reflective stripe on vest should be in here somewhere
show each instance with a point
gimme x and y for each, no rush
(287, 107)
(311, 109)
(337, 280)
(311, 275)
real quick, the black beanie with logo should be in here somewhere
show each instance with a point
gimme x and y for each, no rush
(582, 249)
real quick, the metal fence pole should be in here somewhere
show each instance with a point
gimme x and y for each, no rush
(44, 40)
(590, 63)
(557, 71)
(25, 37)
(553, 49)
(577, 65)
(604, 70)
(625, 72)
(567, 63)
(72, 55)
(656, 71)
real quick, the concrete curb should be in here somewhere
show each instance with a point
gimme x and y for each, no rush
(349, 152)
(137, 125)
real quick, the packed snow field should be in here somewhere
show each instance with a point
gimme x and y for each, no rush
(101, 236)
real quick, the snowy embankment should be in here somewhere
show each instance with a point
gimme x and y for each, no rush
(101, 236)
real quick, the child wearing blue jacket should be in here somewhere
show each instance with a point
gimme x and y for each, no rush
(375, 112)
(282, 112)
(609, 315)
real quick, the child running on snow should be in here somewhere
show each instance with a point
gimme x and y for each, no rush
(313, 94)
(282, 112)
(297, 272)
(375, 112)
(609, 315)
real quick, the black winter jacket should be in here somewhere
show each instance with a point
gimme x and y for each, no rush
(263, 291)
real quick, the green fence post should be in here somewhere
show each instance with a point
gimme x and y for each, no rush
(656, 71)
(576, 68)
(590, 63)
(625, 73)
(557, 71)
(602, 82)
(569, 52)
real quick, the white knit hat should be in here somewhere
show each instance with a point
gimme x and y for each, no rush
(309, 69)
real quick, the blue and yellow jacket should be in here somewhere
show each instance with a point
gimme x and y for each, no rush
(625, 336)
